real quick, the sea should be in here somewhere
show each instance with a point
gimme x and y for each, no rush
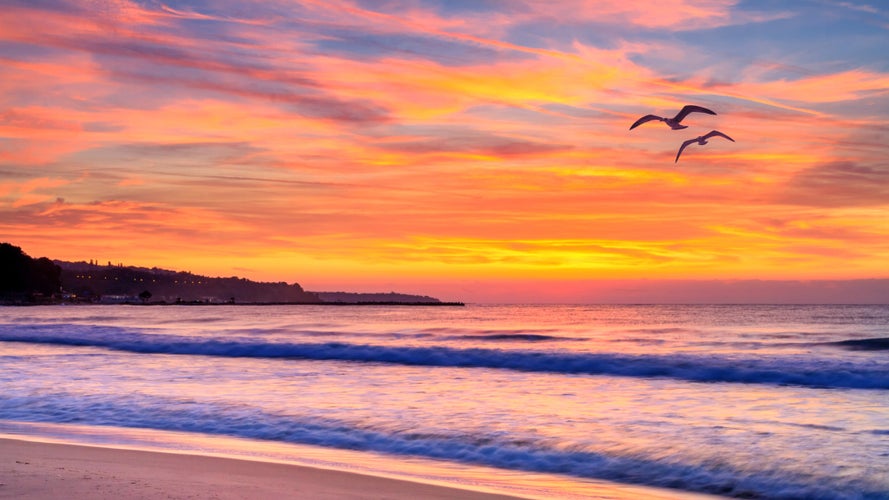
(541, 401)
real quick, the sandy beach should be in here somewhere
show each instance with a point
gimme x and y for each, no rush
(36, 470)
(43, 471)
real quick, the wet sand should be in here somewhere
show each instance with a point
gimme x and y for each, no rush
(38, 470)
(35, 470)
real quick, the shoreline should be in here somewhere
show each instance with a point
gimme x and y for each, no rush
(44, 468)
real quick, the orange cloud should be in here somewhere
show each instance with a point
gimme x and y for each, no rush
(340, 142)
(844, 86)
(28, 192)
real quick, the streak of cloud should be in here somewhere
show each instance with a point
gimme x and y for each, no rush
(347, 140)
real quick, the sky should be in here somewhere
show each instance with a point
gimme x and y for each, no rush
(474, 150)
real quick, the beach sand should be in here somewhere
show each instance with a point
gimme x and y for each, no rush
(35, 470)
(42, 471)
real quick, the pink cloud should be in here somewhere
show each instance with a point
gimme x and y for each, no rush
(29, 192)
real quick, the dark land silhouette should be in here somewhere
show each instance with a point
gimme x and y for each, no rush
(93, 282)
(375, 298)
(25, 280)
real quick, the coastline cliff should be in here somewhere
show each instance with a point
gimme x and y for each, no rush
(26, 280)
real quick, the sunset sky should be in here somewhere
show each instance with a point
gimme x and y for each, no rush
(473, 150)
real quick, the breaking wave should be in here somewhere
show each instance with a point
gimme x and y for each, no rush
(875, 344)
(492, 448)
(775, 370)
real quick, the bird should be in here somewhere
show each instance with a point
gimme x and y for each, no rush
(701, 140)
(674, 122)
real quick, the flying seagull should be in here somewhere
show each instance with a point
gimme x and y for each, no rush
(701, 140)
(674, 122)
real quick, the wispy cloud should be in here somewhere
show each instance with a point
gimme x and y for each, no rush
(445, 139)
(839, 184)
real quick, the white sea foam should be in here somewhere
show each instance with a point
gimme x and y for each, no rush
(491, 449)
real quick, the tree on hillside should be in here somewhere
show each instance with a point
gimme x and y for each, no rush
(45, 277)
(21, 275)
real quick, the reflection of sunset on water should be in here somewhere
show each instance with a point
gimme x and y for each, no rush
(767, 401)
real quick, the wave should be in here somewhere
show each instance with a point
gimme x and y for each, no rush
(512, 337)
(506, 334)
(874, 344)
(665, 330)
(481, 447)
(775, 370)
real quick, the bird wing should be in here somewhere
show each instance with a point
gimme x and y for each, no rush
(684, 144)
(691, 108)
(714, 133)
(646, 118)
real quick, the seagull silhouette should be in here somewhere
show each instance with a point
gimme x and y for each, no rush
(674, 122)
(701, 140)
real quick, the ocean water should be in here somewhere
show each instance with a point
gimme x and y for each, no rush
(740, 401)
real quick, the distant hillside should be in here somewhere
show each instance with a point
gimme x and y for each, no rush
(24, 279)
(109, 283)
(363, 298)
